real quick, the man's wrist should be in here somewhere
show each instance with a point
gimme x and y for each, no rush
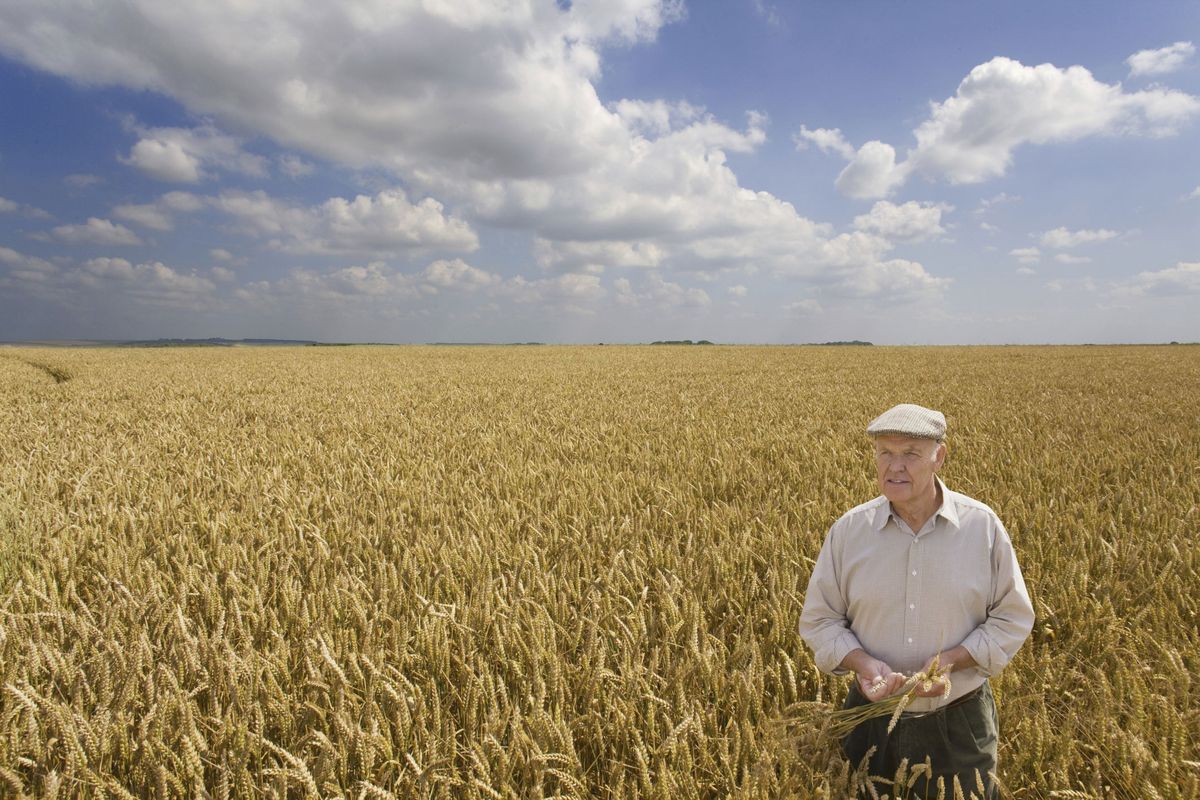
(856, 660)
(956, 658)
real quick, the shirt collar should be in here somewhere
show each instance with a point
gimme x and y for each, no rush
(947, 511)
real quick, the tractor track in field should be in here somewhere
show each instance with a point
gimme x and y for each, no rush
(59, 374)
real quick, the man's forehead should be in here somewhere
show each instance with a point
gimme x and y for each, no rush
(895, 441)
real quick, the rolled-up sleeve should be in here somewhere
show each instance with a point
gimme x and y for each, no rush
(1010, 613)
(824, 626)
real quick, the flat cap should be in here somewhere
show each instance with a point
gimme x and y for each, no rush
(907, 419)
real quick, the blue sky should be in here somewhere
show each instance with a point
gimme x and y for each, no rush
(615, 170)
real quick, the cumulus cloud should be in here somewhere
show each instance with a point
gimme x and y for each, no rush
(897, 280)
(384, 223)
(187, 155)
(159, 215)
(457, 274)
(1160, 61)
(25, 268)
(737, 291)
(1067, 258)
(372, 283)
(829, 140)
(96, 231)
(1061, 238)
(151, 282)
(911, 221)
(873, 172)
(510, 131)
(1026, 255)
(1002, 105)
(1182, 279)
(12, 207)
(595, 256)
(295, 167)
(661, 294)
(1195, 195)
(571, 292)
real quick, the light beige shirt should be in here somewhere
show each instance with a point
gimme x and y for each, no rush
(904, 597)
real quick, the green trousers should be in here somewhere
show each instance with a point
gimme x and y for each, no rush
(958, 739)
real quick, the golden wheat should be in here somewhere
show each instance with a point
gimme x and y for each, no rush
(572, 572)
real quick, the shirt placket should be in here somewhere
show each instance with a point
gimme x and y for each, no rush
(912, 593)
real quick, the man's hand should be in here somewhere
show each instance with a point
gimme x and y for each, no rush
(947, 661)
(876, 680)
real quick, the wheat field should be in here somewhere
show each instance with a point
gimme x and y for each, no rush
(434, 572)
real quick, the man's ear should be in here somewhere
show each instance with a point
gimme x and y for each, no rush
(941, 455)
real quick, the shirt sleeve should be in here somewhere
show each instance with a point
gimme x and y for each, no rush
(823, 622)
(1010, 613)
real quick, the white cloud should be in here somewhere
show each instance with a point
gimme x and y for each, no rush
(1067, 258)
(911, 221)
(561, 290)
(1195, 195)
(11, 207)
(1002, 105)
(457, 274)
(26, 269)
(509, 131)
(376, 285)
(1182, 279)
(223, 274)
(1003, 198)
(737, 291)
(988, 227)
(220, 254)
(159, 215)
(295, 167)
(1026, 271)
(595, 256)
(166, 161)
(660, 294)
(873, 172)
(1161, 61)
(897, 280)
(830, 140)
(385, 223)
(1026, 255)
(147, 215)
(151, 282)
(1061, 238)
(187, 155)
(97, 231)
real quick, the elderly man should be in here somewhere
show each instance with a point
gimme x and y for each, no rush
(917, 574)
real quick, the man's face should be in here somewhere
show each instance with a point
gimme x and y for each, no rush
(905, 466)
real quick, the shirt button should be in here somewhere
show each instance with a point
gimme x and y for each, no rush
(912, 605)
(914, 572)
(910, 640)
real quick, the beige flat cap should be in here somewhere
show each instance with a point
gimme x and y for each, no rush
(907, 419)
